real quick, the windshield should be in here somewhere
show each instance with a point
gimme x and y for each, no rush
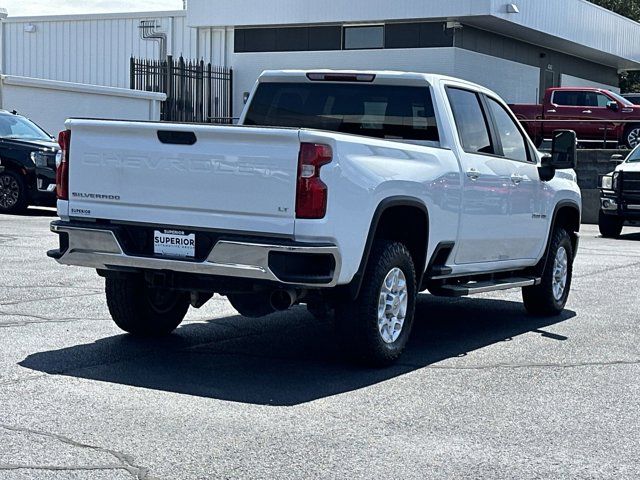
(621, 99)
(634, 156)
(19, 128)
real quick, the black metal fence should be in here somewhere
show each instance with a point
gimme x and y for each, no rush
(196, 92)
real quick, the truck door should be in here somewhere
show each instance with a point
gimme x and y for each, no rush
(526, 215)
(485, 234)
(600, 110)
(573, 105)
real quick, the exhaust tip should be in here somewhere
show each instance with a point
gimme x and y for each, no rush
(282, 300)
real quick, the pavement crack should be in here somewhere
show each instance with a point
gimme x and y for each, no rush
(54, 468)
(126, 461)
(57, 297)
(40, 319)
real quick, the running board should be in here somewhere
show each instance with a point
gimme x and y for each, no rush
(473, 288)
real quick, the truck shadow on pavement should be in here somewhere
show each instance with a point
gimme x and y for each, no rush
(285, 359)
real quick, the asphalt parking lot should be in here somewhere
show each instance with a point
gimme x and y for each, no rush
(484, 391)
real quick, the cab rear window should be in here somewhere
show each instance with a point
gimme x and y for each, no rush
(382, 111)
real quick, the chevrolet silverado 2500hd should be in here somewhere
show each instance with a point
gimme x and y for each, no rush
(346, 191)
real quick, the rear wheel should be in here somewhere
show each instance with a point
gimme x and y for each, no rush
(375, 327)
(610, 226)
(13, 193)
(550, 296)
(142, 310)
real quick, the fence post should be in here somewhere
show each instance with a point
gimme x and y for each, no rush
(230, 95)
(132, 73)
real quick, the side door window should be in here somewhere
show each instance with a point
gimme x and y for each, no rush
(471, 121)
(512, 141)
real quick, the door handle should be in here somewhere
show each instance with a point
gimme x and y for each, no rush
(473, 174)
(517, 179)
(551, 111)
(587, 111)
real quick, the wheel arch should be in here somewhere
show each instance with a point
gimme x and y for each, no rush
(566, 213)
(389, 213)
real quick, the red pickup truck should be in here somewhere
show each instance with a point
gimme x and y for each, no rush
(591, 111)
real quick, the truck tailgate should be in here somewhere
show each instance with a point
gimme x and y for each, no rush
(231, 178)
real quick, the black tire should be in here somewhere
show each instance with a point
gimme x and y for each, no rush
(13, 193)
(610, 226)
(251, 305)
(142, 310)
(541, 299)
(357, 320)
(632, 136)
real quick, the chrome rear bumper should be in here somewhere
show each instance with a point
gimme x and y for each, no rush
(98, 248)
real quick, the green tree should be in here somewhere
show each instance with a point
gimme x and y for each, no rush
(630, 9)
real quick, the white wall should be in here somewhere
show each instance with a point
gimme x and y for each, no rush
(514, 82)
(248, 66)
(92, 49)
(49, 103)
(591, 30)
(569, 81)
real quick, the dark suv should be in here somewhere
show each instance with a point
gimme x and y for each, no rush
(27, 164)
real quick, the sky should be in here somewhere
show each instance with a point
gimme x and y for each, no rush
(19, 8)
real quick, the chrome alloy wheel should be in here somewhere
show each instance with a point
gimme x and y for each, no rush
(633, 137)
(560, 273)
(9, 192)
(392, 305)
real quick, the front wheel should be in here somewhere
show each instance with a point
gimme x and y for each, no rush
(550, 297)
(13, 193)
(610, 226)
(142, 310)
(375, 327)
(632, 136)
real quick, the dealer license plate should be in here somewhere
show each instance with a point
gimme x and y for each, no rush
(174, 243)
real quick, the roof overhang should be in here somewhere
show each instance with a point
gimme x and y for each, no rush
(576, 27)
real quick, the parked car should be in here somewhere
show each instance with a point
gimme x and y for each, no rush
(633, 98)
(27, 164)
(620, 195)
(578, 105)
(347, 191)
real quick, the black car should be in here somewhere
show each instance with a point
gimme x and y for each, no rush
(27, 164)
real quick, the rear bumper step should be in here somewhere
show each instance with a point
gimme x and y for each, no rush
(312, 266)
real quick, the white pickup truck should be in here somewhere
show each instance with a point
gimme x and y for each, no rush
(349, 192)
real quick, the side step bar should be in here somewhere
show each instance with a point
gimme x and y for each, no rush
(472, 288)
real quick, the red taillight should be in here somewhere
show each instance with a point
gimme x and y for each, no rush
(311, 196)
(62, 172)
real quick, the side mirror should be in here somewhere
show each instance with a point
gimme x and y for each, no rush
(613, 106)
(564, 154)
(617, 158)
(564, 151)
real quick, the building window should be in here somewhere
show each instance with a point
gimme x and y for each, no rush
(288, 39)
(358, 38)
